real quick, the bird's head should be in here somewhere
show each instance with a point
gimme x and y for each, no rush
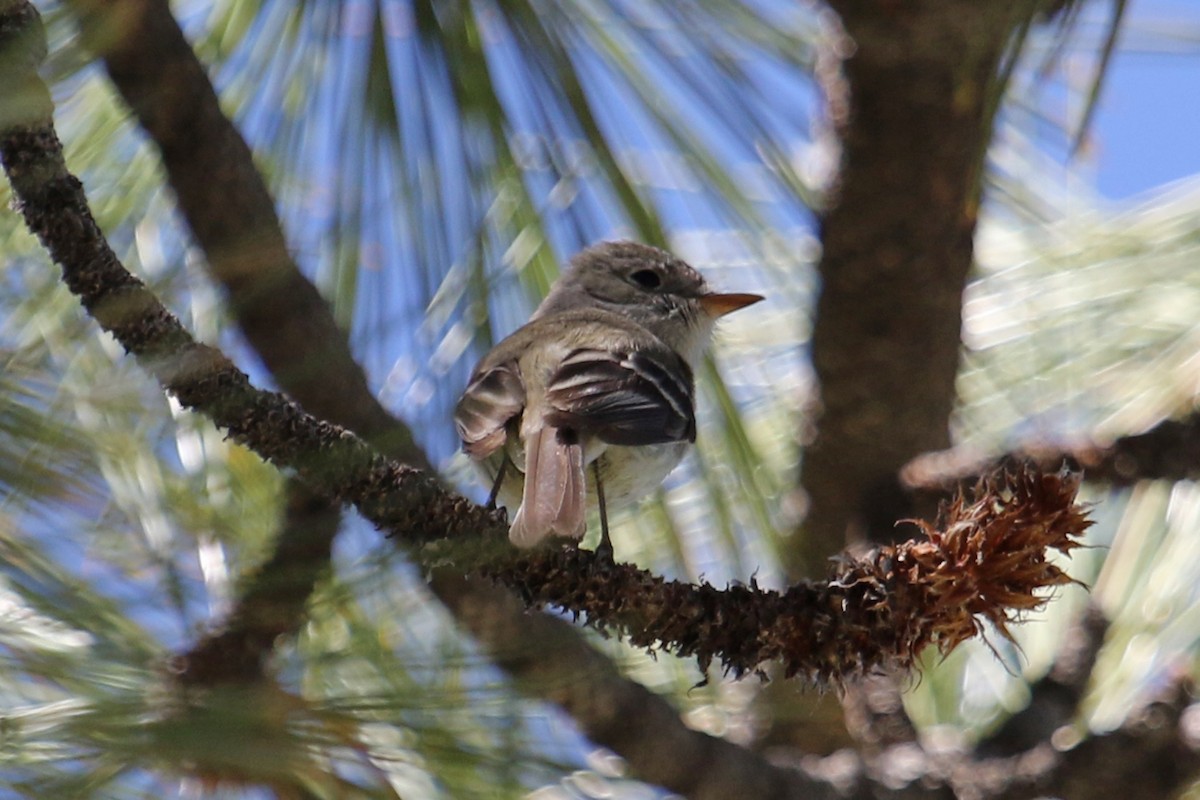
(649, 286)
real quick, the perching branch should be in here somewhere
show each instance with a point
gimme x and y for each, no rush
(988, 560)
(985, 560)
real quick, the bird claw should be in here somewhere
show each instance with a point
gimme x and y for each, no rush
(604, 553)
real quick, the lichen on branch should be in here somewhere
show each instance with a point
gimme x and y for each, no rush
(989, 558)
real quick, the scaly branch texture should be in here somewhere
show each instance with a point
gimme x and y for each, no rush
(987, 560)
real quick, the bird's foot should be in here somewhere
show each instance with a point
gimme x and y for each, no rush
(604, 553)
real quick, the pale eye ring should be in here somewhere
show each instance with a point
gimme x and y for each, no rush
(646, 278)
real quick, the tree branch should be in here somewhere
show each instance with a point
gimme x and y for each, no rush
(230, 212)
(273, 602)
(1168, 451)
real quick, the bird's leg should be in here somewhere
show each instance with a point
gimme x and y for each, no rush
(604, 550)
(491, 501)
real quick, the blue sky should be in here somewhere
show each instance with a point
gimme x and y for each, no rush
(1147, 129)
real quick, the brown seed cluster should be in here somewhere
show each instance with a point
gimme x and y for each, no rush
(987, 558)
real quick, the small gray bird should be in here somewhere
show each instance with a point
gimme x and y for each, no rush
(600, 377)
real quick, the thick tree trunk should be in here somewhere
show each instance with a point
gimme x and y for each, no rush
(897, 250)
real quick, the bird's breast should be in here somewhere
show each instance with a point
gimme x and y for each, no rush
(631, 473)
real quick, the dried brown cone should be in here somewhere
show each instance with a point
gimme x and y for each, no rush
(987, 559)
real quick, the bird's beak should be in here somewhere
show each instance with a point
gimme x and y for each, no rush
(718, 305)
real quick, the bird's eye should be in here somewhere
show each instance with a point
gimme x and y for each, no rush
(646, 278)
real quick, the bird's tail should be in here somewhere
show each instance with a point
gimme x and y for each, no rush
(553, 500)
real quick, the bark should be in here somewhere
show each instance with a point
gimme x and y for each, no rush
(897, 249)
(1170, 450)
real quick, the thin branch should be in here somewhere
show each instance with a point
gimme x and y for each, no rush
(274, 601)
(1168, 451)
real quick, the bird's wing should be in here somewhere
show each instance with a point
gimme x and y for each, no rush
(631, 397)
(492, 399)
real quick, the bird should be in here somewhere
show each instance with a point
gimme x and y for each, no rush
(599, 380)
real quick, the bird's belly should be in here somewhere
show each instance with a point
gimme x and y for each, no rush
(627, 473)
(630, 473)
